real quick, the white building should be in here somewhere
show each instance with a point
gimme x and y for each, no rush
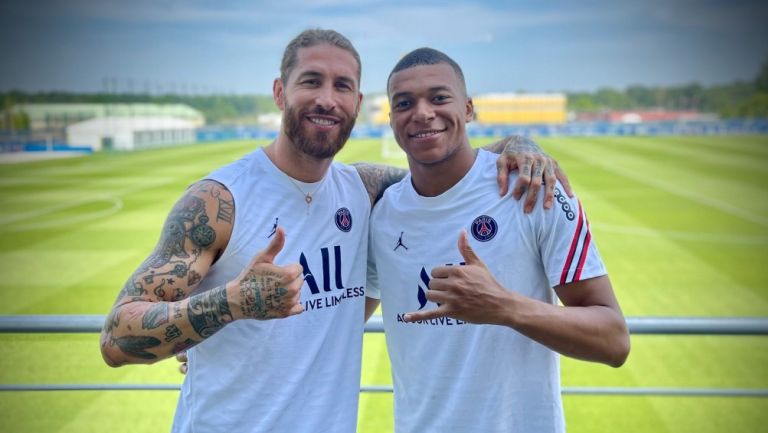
(131, 133)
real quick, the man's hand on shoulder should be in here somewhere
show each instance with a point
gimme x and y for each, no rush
(536, 168)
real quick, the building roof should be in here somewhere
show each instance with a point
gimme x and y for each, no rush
(115, 124)
(40, 111)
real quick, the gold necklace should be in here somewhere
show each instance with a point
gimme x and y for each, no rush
(307, 195)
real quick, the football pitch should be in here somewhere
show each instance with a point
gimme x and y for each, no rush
(681, 222)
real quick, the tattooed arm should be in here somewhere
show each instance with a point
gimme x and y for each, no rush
(534, 167)
(378, 178)
(154, 315)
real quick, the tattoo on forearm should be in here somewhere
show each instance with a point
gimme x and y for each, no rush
(261, 296)
(132, 289)
(172, 332)
(112, 322)
(377, 178)
(136, 346)
(159, 291)
(177, 310)
(183, 345)
(178, 294)
(155, 316)
(193, 278)
(208, 312)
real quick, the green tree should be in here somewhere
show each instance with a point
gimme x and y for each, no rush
(612, 99)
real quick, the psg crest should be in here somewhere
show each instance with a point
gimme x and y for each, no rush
(484, 228)
(343, 219)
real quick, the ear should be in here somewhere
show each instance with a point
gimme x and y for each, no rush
(278, 94)
(470, 115)
(359, 103)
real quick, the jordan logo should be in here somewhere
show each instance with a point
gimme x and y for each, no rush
(400, 243)
(274, 229)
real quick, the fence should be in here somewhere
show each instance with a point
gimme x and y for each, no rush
(637, 325)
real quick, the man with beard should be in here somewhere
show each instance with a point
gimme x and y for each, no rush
(280, 232)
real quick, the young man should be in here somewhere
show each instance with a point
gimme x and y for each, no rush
(282, 231)
(473, 332)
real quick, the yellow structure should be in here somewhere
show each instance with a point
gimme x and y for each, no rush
(512, 108)
(378, 110)
(496, 109)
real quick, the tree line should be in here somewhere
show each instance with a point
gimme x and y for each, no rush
(743, 99)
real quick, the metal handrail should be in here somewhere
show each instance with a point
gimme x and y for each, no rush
(637, 325)
(92, 323)
(572, 390)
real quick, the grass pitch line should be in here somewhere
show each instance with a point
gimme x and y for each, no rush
(117, 206)
(114, 198)
(672, 189)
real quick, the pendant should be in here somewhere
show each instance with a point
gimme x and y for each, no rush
(308, 199)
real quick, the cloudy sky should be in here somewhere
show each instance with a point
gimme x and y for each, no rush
(234, 46)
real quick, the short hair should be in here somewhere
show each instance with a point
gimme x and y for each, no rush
(427, 56)
(310, 38)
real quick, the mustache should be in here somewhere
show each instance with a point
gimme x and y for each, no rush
(319, 110)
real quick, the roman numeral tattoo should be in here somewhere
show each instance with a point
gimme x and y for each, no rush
(226, 210)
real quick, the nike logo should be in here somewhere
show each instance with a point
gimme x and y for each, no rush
(274, 229)
(400, 243)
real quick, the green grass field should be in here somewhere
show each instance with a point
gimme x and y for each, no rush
(682, 223)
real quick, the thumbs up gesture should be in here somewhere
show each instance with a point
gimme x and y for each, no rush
(264, 290)
(468, 292)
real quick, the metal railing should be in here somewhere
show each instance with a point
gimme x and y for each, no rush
(637, 325)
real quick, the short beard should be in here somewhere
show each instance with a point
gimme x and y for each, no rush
(322, 147)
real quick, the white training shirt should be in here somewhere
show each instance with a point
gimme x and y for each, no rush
(299, 374)
(449, 375)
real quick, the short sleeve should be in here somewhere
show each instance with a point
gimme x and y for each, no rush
(568, 251)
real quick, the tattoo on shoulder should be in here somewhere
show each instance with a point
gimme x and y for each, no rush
(377, 178)
(189, 220)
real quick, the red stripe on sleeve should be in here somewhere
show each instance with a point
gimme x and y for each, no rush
(584, 251)
(574, 242)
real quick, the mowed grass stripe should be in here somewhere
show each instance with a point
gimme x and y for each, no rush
(754, 145)
(634, 156)
(720, 195)
(738, 165)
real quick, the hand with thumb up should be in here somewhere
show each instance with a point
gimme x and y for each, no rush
(264, 290)
(468, 292)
